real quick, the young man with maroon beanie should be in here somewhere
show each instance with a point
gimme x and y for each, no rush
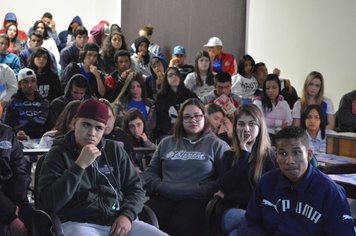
(90, 183)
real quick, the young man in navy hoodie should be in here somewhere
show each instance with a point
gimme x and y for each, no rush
(298, 199)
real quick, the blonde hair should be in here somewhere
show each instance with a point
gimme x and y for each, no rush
(262, 147)
(305, 97)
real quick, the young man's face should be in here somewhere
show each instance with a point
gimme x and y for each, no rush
(261, 74)
(123, 63)
(77, 93)
(293, 157)
(223, 88)
(46, 20)
(88, 131)
(81, 40)
(91, 58)
(28, 86)
(35, 42)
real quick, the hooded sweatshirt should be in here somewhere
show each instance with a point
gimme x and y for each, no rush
(65, 34)
(184, 169)
(88, 195)
(96, 34)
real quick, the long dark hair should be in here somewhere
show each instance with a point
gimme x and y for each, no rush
(266, 102)
(38, 53)
(241, 66)
(305, 114)
(210, 76)
(65, 117)
(166, 88)
(131, 115)
(45, 33)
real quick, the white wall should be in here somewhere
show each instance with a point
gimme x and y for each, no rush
(91, 12)
(305, 35)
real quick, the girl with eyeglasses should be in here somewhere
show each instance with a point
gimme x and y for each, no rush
(242, 167)
(173, 93)
(182, 175)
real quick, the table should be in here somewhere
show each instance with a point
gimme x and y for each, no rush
(343, 144)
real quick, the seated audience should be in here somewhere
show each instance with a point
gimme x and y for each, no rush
(244, 83)
(6, 57)
(98, 34)
(147, 31)
(215, 115)
(347, 112)
(10, 18)
(48, 84)
(154, 81)
(313, 122)
(89, 181)
(133, 95)
(27, 110)
(222, 94)
(35, 41)
(178, 60)
(276, 111)
(16, 45)
(242, 167)
(313, 93)
(182, 175)
(47, 18)
(297, 199)
(201, 81)
(134, 124)
(71, 53)
(221, 61)
(64, 123)
(66, 37)
(48, 42)
(16, 212)
(173, 93)
(87, 66)
(8, 85)
(112, 44)
(76, 89)
(141, 58)
(115, 81)
(225, 130)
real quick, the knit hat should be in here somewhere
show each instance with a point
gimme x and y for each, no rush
(140, 40)
(10, 17)
(179, 49)
(93, 109)
(214, 41)
(26, 73)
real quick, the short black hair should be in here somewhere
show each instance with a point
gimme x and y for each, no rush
(121, 53)
(222, 77)
(293, 133)
(81, 30)
(47, 15)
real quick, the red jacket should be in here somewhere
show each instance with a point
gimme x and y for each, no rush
(228, 63)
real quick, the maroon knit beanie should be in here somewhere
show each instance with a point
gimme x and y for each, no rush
(93, 109)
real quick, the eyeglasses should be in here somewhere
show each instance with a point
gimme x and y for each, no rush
(196, 117)
(250, 124)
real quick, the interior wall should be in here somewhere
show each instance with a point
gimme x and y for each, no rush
(91, 12)
(187, 22)
(301, 36)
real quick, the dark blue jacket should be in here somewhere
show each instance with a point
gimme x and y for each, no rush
(314, 206)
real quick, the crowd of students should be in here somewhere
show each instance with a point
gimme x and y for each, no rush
(218, 127)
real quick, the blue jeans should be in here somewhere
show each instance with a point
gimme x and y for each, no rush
(234, 222)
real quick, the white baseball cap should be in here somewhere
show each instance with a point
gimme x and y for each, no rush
(26, 73)
(214, 41)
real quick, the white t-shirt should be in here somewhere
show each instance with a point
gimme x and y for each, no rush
(200, 91)
(244, 87)
(297, 108)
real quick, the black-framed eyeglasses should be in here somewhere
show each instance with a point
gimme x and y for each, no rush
(196, 117)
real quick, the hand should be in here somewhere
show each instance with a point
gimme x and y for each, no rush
(174, 61)
(21, 135)
(246, 141)
(87, 156)
(220, 194)
(121, 226)
(143, 136)
(53, 26)
(18, 228)
(160, 77)
(126, 73)
(139, 57)
(93, 69)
